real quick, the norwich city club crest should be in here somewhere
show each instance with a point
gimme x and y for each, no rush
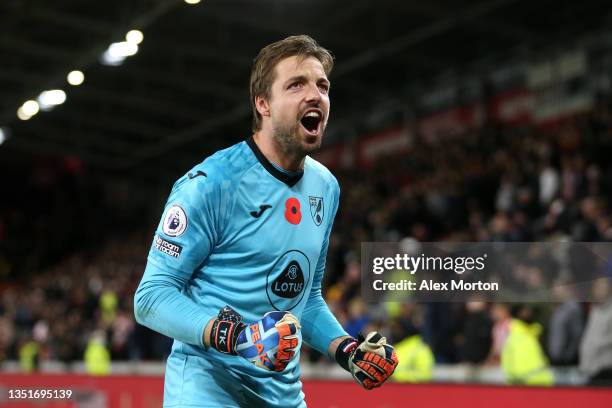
(316, 209)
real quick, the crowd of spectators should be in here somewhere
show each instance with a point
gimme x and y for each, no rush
(63, 307)
(494, 184)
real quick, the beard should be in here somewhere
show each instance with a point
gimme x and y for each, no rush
(289, 140)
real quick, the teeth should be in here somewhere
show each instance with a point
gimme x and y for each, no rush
(312, 114)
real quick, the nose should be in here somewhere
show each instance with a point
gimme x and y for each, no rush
(313, 94)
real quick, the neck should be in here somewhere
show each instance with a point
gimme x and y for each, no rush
(274, 153)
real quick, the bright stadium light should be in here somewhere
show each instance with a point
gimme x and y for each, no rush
(30, 108)
(192, 1)
(118, 52)
(75, 78)
(108, 59)
(49, 99)
(22, 115)
(122, 49)
(134, 37)
(3, 135)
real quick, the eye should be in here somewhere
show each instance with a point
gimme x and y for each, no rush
(324, 88)
(295, 85)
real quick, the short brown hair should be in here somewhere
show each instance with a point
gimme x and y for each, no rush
(263, 72)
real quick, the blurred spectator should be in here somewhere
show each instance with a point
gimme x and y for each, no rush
(416, 358)
(548, 183)
(476, 333)
(97, 356)
(406, 321)
(440, 328)
(522, 359)
(7, 338)
(566, 326)
(596, 346)
(122, 336)
(357, 317)
(500, 315)
(108, 306)
(29, 356)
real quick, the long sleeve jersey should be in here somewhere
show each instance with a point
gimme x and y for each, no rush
(237, 230)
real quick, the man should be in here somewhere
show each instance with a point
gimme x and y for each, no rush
(522, 359)
(565, 326)
(416, 355)
(246, 233)
(596, 344)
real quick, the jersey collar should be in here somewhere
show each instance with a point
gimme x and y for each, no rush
(288, 178)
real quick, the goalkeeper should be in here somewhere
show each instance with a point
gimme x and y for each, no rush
(234, 272)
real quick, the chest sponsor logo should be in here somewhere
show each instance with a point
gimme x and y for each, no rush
(167, 247)
(175, 221)
(316, 209)
(290, 283)
(288, 279)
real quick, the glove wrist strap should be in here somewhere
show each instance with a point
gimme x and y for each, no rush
(224, 335)
(344, 351)
(225, 330)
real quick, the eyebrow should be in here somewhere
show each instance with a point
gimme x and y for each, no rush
(303, 78)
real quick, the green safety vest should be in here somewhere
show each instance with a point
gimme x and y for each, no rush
(522, 359)
(97, 359)
(108, 305)
(416, 360)
(27, 356)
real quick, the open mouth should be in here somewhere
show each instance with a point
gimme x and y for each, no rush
(311, 121)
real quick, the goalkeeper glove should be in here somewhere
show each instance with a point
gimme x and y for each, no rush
(269, 343)
(371, 361)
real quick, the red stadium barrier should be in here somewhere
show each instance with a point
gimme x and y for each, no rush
(339, 394)
(113, 391)
(147, 392)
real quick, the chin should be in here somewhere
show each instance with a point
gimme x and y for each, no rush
(312, 146)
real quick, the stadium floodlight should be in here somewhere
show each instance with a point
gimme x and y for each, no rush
(75, 77)
(22, 115)
(192, 1)
(122, 49)
(118, 52)
(30, 108)
(49, 99)
(134, 37)
(3, 135)
(108, 59)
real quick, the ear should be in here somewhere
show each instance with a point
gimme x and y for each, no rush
(262, 105)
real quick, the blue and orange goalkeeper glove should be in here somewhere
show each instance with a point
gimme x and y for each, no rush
(270, 343)
(371, 361)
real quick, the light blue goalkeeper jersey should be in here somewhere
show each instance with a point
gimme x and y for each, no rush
(238, 231)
